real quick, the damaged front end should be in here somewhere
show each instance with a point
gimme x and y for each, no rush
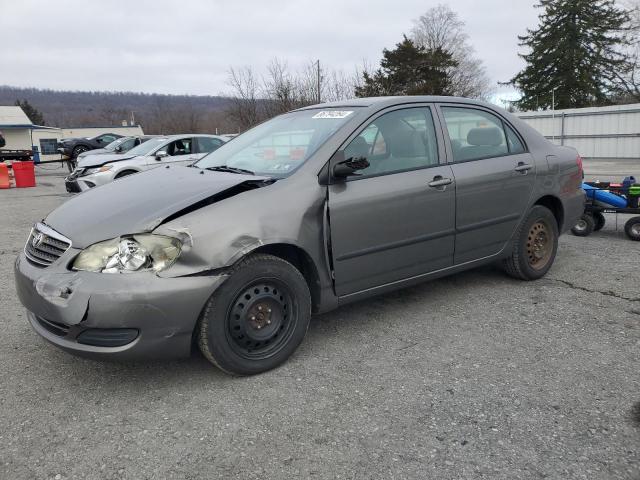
(99, 289)
(96, 314)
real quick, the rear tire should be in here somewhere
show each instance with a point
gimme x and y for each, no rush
(632, 228)
(534, 246)
(585, 226)
(599, 221)
(257, 318)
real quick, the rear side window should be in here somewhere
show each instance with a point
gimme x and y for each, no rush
(397, 141)
(475, 134)
(206, 144)
(515, 145)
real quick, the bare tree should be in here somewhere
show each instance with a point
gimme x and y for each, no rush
(244, 109)
(282, 91)
(441, 28)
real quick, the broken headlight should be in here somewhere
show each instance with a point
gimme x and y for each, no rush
(91, 171)
(129, 254)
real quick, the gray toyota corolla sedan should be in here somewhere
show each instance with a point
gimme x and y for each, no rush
(305, 212)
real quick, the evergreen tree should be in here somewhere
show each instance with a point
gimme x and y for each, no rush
(30, 111)
(409, 70)
(576, 50)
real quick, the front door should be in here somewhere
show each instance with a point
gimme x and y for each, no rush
(179, 152)
(494, 176)
(395, 220)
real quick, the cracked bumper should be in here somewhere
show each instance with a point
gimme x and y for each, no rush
(63, 304)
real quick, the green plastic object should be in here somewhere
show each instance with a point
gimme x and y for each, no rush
(634, 190)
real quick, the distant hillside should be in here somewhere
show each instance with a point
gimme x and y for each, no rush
(158, 114)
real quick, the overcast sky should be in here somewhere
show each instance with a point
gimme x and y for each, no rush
(187, 47)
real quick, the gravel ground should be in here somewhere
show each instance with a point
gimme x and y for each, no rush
(473, 376)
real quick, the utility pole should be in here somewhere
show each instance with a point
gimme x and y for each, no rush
(553, 114)
(318, 86)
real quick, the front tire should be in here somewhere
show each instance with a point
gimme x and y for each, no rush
(257, 318)
(78, 150)
(535, 245)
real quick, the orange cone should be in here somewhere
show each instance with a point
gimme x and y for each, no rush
(4, 176)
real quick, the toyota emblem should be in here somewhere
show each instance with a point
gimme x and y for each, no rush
(38, 237)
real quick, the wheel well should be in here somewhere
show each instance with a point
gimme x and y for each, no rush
(125, 173)
(302, 261)
(555, 205)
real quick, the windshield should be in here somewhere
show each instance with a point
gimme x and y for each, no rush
(113, 145)
(147, 147)
(279, 146)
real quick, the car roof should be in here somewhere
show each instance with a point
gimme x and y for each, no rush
(187, 135)
(381, 102)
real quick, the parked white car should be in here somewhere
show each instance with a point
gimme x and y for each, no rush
(93, 171)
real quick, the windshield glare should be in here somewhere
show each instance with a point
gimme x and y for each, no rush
(279, 146)
(147, 147)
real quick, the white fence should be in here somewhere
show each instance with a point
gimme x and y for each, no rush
(597, 133)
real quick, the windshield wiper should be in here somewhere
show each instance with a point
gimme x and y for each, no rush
(225, 168)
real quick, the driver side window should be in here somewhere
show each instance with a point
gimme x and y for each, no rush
(397, 141)
(179, 147)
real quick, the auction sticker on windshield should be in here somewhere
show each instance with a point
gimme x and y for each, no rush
(333, 114)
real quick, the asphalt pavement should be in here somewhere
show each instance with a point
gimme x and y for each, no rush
(473, 376)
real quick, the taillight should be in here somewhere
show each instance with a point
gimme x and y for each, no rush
(579, 163)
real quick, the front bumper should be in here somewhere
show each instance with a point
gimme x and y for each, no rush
(81, 312)
(76, 182)
(74, 185)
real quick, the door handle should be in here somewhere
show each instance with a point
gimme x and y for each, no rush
(439, 181)
(523, 167)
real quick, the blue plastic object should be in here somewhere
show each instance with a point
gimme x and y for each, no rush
(628, 182)
(604, 197)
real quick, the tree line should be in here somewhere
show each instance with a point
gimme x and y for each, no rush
(158, 114)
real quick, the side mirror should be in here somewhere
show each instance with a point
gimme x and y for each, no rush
(161, 154)
(119, 149)
(349, 167)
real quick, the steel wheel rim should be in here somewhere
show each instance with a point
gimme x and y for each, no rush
(539, 245)
(261, 319)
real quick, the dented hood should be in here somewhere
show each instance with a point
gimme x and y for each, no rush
(139, 203)
(97, 159)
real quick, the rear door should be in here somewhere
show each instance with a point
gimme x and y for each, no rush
(395, 220)
(494, 175)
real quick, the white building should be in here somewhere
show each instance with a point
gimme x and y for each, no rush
(599, 133)
(20, 134)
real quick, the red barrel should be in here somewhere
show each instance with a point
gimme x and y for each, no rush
(24, 174)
